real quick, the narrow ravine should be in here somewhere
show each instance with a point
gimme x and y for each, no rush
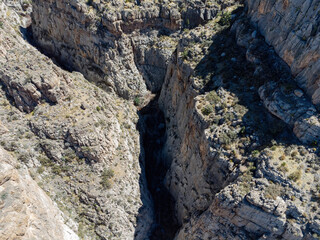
(153, 130)
(153, 137)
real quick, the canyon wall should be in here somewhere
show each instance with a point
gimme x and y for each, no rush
(232, 173)
(115, 43)
(292, 28)
(79, 143)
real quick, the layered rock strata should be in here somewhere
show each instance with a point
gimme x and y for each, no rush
(235, 171)
(228, 182)
(111, 42)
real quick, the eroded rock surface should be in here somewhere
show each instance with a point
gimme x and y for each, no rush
(80, 144)
(292, 28)
(27, 212)
(116, 43)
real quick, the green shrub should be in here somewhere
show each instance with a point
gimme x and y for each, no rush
(255, 153)
(213, 97)
(56, 169)
(106, 175)
(273, 191)
(136, 101)
(185, 54)
(273, 148)
(45, 161)
(295, 176)
(283, 167)
(40, 170)
(207, 110)
(225, 19)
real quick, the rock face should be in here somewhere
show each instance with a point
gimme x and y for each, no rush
(80, 143)
(227, 182)
(292, 28)
(111, 42)
(279, 93)
(27, 212)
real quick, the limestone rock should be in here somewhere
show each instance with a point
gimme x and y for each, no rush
(292, 28)
(26, 210)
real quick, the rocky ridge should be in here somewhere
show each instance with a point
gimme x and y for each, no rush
(26, 210)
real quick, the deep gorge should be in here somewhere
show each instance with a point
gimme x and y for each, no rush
(188, 119)
(153, 131)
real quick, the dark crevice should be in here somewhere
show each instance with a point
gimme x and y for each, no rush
(153, 133)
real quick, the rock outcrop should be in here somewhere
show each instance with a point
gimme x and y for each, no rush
(228, 182)
(292, 28)
(116, 43)
(80, 143)
(27, 212)
(280, 95)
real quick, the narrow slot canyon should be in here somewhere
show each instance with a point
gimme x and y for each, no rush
(152, 128)
(153, 134)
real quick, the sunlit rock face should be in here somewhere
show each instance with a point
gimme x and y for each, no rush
(292, 28)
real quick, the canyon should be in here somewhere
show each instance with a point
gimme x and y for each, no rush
(160, 119)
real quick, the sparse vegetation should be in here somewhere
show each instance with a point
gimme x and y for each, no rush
(225, 19)
(207, 110)
(273, 191)
(137, 101)
(283, 167)
(295, 176)
(106, 177)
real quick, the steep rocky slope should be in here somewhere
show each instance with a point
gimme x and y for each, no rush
(115, 43)
(236, 171)
(192, 119)
(292, 28)
(80, 144)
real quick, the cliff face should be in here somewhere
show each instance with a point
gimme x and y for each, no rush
(228, 182)
(292, 28)
(116, 43)
(79, 143)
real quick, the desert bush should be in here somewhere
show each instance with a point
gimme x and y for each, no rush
(106, 176)
(273, 191)
(207, 110)
(295, 176)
